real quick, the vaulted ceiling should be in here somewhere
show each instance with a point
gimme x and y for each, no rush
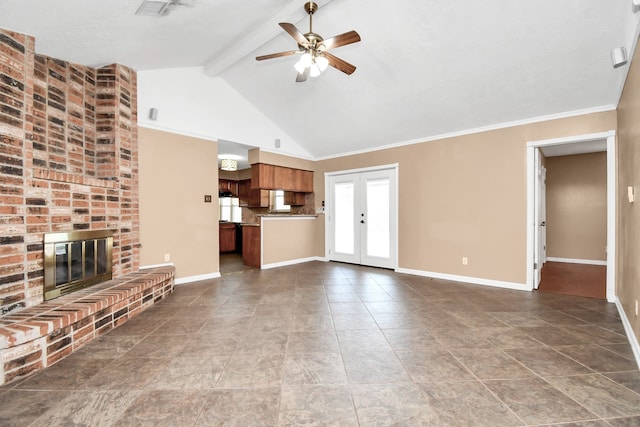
(424, 67)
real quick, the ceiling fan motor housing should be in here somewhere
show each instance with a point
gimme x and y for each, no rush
(310, 7)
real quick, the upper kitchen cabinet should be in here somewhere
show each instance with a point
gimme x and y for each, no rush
(228, 186)
(252, 197)
(272, 177)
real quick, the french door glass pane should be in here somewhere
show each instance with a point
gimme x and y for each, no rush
(344, 233)
(378, 217)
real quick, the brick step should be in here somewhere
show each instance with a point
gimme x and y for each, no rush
(36, 337)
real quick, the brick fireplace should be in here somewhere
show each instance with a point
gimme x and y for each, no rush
(68, 162)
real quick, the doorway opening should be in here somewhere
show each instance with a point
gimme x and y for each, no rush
(583, 280)
(361, 221)
(536, 220)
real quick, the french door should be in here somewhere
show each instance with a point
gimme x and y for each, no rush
(362, 218)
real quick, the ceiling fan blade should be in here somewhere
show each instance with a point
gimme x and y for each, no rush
(276, 55)
(341, 40)
(340, 64)
(295, 33)
(302, 77)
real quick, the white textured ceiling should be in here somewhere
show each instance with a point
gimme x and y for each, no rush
(424, 67)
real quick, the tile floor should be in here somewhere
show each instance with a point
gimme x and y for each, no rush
(327, 344)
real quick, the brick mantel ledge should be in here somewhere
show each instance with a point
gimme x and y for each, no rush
(58, 176)
(36, 337)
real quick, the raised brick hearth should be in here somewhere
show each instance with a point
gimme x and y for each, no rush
(68, 161)
(36, 337)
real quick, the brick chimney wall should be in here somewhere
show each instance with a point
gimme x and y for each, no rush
(68, 161)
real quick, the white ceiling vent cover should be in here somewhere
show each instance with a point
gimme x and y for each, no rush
(153, 8)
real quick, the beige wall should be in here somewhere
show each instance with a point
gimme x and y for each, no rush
(290, 239)
(465, 197)
(628, 233)
(176, 172)
(259, 156)
(235, 175)
(577, 206)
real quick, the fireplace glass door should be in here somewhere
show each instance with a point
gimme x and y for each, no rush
(75, 260)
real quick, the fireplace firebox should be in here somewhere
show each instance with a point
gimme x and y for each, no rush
(75, 260)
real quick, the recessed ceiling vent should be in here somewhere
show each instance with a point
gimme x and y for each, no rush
(155, 8)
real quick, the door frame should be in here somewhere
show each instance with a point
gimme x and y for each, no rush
(532, 227)
(394, 206)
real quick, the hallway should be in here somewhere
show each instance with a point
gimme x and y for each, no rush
(583, 280)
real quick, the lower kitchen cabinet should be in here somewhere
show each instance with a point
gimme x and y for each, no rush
(227, 237)
(251, 245)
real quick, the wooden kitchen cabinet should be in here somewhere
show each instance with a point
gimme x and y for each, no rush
(251, 245)
(283, 178)
(273, 177)
(306, 182)
(252, 197)
(227, 237)
(294, 198)
(263, 176)
(258, 198)
(244, 189)
(228, 185)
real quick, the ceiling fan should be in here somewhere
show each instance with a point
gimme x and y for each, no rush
(313, 49)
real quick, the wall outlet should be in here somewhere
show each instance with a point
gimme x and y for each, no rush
(465, 260)
(167, 257)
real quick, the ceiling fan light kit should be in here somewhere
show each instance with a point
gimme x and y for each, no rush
(315, 58)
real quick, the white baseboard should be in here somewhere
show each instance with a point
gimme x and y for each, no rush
(291, 262)
(466, 279)
(631, 336)
(577, 261)
(197, 278)
(166, 264)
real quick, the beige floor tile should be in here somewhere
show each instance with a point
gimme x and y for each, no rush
(433, 364)
(491, 364)
(317, 406)
(159, 408)
(240, 408)
(466, 403)
(599, 394)
(93, 408)
(546, 362)
(252, 370)
(192, 373)
(313, 342)
(537, 402)
(375, 367)
(314, 368)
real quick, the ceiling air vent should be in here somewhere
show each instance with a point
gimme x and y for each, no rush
(154, 8)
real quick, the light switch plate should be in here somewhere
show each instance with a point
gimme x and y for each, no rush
(207, 198)
(630, 194)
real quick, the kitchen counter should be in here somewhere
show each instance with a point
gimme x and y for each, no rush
(263, 245)
(274, 215)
